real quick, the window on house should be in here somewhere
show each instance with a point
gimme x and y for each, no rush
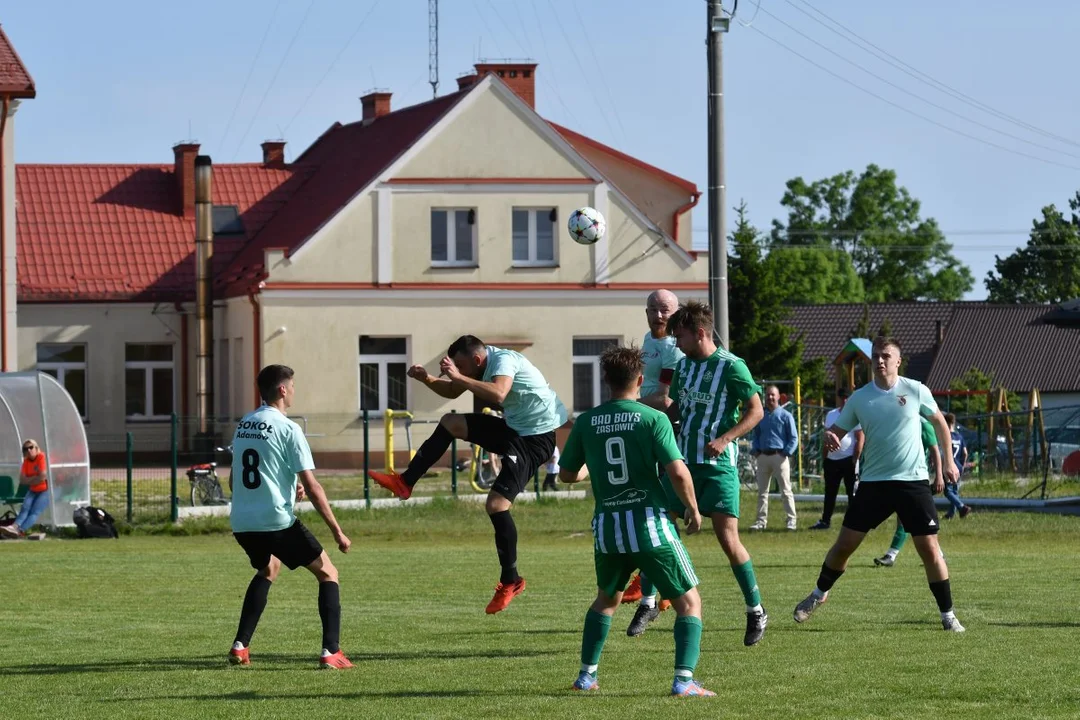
(383, 362)
(534, 237)
(149, 382)
(453, 237)
(66, 363)
(589, 388)
(226, 219)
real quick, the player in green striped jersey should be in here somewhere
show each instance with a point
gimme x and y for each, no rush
(717, 401)
(620, 444)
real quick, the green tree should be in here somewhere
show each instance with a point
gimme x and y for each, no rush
(757, 314)
(976, 379)
(1047, 269)
(896, 254)
(814, 275)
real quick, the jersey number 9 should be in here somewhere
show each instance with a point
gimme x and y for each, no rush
(616, 457)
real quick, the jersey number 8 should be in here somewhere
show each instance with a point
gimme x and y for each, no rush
(616, 456)
(250, 463)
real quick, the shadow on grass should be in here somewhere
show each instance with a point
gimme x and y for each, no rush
(260, 661)
(1035, 624)
(250, 695)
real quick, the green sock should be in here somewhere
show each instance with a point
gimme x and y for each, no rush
(592, 639)
(898, 538)
(744, 574)
(687, 644)
(647, 588)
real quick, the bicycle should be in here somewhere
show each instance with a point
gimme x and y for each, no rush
(205, 485)
(484, 465)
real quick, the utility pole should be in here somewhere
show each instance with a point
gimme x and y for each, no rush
(718, 24)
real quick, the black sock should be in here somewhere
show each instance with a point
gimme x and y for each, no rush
(330, 612)
(943, 594)
(254, 604)
(827, 578)
(506, 544)
(429, 453)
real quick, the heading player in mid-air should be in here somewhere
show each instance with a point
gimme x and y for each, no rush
(621, 443)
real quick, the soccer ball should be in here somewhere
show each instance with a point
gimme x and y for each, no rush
(586, 225)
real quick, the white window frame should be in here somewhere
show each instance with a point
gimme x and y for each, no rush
(451, 238)
(597, 380)
(532, 261)
(62, 367)
(384, 378)
(150, 366)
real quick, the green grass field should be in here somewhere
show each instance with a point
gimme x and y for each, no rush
(139, 627)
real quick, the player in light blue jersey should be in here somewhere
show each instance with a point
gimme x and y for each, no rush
(661, 355)
(524, 436)
(269, 451)
(893, 477)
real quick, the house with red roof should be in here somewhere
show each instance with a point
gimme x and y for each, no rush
(373, 250)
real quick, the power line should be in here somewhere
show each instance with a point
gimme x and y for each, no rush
(917, 96)
(919, 75)
(909, 111)
(251, 70)
(333, 63)
(603, 78)
(272, 79)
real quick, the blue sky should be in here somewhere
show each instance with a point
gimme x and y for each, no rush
(124, 80)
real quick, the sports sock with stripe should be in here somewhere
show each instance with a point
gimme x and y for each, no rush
(744, 575)
(593, 637)
(687, 646)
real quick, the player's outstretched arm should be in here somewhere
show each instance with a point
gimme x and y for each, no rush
(683, 485)
(317, 495)
(439, 386)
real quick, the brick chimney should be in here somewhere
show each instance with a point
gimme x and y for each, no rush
(184, 172)
(519, 76)
(273, 154)
(376, 104)
(466, 81)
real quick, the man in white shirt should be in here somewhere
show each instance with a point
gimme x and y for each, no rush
(839, 464)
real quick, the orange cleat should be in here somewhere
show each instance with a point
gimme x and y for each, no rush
(337, 661)
(504, 594)
(664, 605)
(632, 593)
(239, 657)
(392, 482)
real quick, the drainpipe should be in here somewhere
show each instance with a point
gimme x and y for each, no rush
(256, 343)
(3, 238)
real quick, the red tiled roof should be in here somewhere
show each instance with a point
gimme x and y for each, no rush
(343, 161)
(14, 79)
(113, 232)
(1014, 344)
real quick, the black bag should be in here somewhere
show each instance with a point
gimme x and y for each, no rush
(92, 522)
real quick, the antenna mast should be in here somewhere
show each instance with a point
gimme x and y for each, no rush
(433, 46)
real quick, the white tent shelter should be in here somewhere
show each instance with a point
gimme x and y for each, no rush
(34, 405)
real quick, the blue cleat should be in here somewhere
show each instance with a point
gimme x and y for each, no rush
(585, 681)
(690, 688)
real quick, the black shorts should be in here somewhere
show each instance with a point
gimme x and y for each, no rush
(874, 502)
(522, 455)
(294, 546)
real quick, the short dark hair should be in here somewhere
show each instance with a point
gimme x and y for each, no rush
(621, 366)
(950, 418)
(843, 392)
(271, 378)
(467, 344)
(883, 340)
(692, 315)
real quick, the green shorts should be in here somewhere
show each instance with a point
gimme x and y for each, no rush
(716, 488)
(668, 567)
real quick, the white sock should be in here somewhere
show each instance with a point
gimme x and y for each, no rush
(892, 553)
(818, 595)
(238, 645)
(755, 609)
(684, 676)
(948, 615)
(591, 669)
(649, 601)
(326, 653)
